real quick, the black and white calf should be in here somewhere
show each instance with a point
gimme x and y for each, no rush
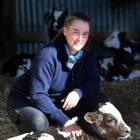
(17, 65)
(104, 124)
(119, 40)
(120, 66)
(54, 21)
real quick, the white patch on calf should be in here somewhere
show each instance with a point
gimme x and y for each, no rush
(134, 74)
(104, 65)
(20, 137)
(128, 49)
(111, 109)
(118, 78)
(57, 14)
(106, 62)
(112, 41)
(44, 136)
(23, 67)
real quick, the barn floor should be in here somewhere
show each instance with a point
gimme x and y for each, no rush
(125, 95)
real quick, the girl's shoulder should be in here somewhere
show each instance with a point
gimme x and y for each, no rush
(51, 49)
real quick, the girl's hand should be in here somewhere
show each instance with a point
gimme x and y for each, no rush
(72, 128)
(71, 100)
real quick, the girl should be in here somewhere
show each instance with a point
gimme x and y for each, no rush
(62, 83)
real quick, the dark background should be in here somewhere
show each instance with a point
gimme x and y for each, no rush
(23, 27)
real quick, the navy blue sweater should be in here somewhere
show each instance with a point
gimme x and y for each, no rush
(50, 80)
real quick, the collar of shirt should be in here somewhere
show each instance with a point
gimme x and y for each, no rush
(74, 58)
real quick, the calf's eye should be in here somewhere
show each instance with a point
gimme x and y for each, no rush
(108, 119)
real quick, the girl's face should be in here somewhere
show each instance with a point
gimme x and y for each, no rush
(77, 35)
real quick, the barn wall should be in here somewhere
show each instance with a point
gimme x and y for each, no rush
(106, 15)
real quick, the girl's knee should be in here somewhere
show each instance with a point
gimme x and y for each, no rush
(32, 119)
(40, 123)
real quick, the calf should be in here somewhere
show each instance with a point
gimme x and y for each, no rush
(108, 123)
(17, 65)
(54, 21)
(104, 124)
(104, 65)
(123, 60)
(119, 40)
(117, 67)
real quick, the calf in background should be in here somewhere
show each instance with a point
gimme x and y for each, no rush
(54, 20)
(121, 65)
(17, 65)
(119, 40)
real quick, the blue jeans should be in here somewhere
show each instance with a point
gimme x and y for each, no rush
(26, 117)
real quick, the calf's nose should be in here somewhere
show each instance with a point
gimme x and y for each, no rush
(127, 130)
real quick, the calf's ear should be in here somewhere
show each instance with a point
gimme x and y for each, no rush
(89, 117)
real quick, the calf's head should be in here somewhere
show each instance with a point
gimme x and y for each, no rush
(55, 20)
(108, 123)
(119, 40)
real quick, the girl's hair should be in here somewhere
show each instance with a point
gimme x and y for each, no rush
(69, 20)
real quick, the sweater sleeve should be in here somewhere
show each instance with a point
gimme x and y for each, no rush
(42, 73)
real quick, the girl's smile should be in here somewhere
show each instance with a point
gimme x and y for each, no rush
(76, 35)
